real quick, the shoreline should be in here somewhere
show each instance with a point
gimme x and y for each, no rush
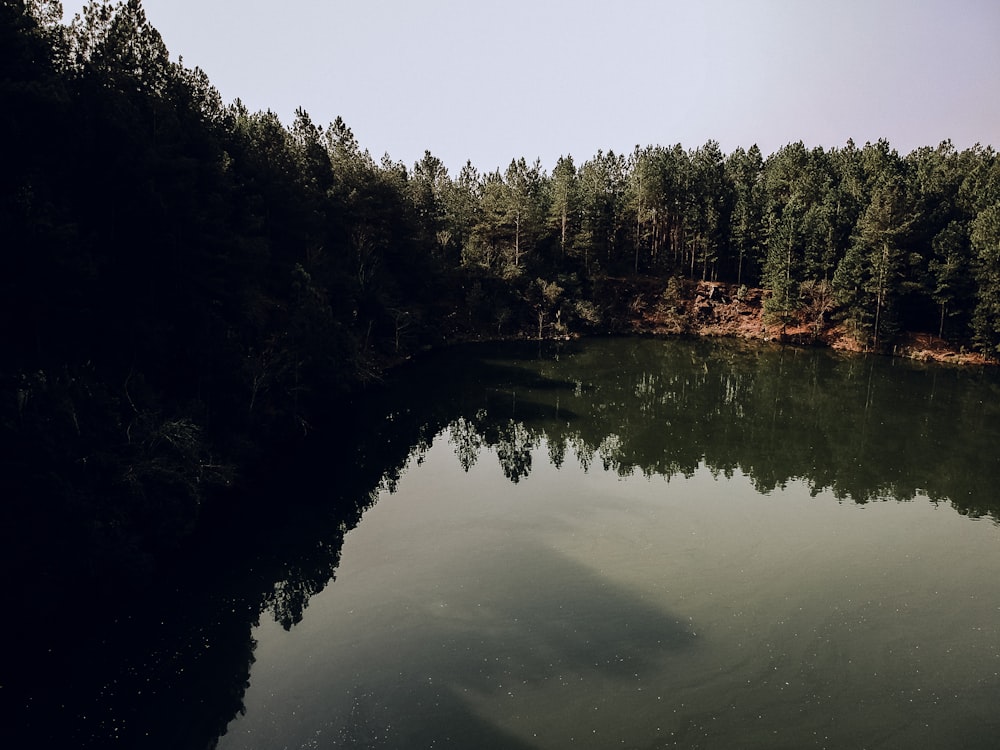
(716, 309)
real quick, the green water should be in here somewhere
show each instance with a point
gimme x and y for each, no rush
(648, 544)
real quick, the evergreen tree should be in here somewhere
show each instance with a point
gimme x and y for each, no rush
(744, 172)
(461, 204)
(564, 208)
(525, 208)
(870, 281)
(602, 181)
(428, 187)
(985, 238)
(710, 206)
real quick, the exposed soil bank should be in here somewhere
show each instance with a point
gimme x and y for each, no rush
(648, 306)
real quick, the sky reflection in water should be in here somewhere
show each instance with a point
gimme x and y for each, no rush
(579, 608)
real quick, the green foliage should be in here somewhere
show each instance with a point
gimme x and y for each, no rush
(746, 227)
(985, 238)
(240, 275)
(564, 207)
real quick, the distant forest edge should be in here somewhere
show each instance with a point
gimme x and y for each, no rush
(186, 278)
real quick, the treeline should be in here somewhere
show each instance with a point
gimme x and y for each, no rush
(185, 277)
(884, 242)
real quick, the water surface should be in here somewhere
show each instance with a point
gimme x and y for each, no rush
(645, 544)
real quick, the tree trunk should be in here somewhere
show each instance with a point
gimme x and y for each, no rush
(880, 293)
(517, 240)
(638, 235)
(562, 238)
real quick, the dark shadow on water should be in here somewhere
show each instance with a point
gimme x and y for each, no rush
(562, 615)
(532, 619)
(448, 723)
(370, 721)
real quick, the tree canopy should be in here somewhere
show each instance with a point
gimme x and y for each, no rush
(187, 279)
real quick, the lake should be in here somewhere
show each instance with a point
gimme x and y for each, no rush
(641, 544)
(630, 543)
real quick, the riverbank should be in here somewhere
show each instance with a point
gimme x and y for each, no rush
(647, 306)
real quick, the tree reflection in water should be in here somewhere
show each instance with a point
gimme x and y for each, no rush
(172, 670)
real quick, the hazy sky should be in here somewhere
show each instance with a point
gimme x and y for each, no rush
(489, 81)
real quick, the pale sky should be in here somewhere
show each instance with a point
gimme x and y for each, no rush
(491, 81)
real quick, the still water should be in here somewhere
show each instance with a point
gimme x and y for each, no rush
(650, 544)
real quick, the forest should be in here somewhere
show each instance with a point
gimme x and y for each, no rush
(189, 284)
